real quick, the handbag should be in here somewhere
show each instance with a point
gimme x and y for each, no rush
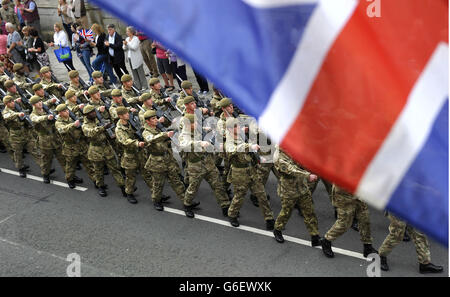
(63, 54)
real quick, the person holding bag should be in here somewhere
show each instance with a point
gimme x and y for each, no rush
(39, 49)
(60, 39)
(131, 46)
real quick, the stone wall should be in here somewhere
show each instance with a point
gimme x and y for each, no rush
(49, 16)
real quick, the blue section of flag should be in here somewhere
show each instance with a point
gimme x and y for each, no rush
(259, 46)
(422, 196)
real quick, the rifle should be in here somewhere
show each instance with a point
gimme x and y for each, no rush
(71, 114)
(25, 118)
(102, 122)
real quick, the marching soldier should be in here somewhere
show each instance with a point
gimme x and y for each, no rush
(3, 76)
(95, 101)
(186, 90)
(76, 87)
(74, 146)
(11, 90)
(293, 188)
(217, 96)
(39, 91)
(397, 228)
(100, 83)
(161, 162)
(100, 151)
(19, 135)
(72, 104)
(133, 158)
(128, 92)
(50, 86)
(116, 95)
(48, 141)
(200, 165)
(157, 96)
(243, 175)
(147, 104)
(19, 77)
(5, 146)
(348, 206)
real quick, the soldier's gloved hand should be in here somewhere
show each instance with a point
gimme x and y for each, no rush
(141, 144)
(109, 125)
(18, 100)
(170, 134)
(50, 117)
(60, 86)
(86, 93)
(101, 109)
(161, 120)
(204, 110)
(77, 123)
(312, 178)
(168, 99)
(255, 147)
(205, 144)
(81, 106)
(53, 100)
(133, 109)
(21, 114)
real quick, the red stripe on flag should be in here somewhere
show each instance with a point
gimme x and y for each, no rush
(363, 86)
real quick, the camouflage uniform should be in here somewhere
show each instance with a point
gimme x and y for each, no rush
(243, 176)
(104, 91)
(48, 140)
(201, 165)
(141, 114)
(396, 231)
(97, 104)
(9, 16)
(221, 134)
(75, 109)
(348, 206)
(21, 82)
(158, 99)
(4, 137)
(161, 164)
(51, 87)
(101, 152)
(293, 187)
(79, 92)
(3, 79)
(180, 101)
(74, 147)
(133, 158)
(130, 96)
(215, 107)
(19, 137)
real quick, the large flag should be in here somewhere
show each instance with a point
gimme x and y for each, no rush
(356, 91)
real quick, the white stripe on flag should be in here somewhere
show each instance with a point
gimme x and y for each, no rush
(278, 3)
(326, 23)
(409, 133)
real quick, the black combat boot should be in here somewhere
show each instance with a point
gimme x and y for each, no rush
(158, 206)
(23, 172)
(46, 179)
(164, 198)
(254, 200)
(95, 185)
(2, 148)
(52, 171)
(195, 204)
(406, 237)
(355, 224)
(278, 236)
(77, 180)
(71, 184)
(234, 222)
(335, 213)
(384, 265)
(326, 248)
(102, 191)
(268, 197)
(430, 268)
(105, 170)
(225, 211)
(368, 249)
(124, 194)
(315, 240)
(26, 167)
(270, 224)
(188, 211)
(131, 199)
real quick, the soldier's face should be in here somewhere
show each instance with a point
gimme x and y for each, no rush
(157, 86)
(64, 113)
(96, 96)
(125, 116)
(40, 92)
(91, 115)
(99, 80)
(117, 99)
(189, 91)
(128, 84)
(2, 69)
(75, 79)
(73, 99)
(191, 106)
(38, 105)
(153, 121)
(229, 108)
(148, 102)
(47, 75)
(12, 89)
(11, 104)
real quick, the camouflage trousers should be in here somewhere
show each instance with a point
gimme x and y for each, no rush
(30, 145)
(293, 191)
(313, 185)
(347, 209)
(4, 138)
(111, 163)
(149, 57)
(159, 178)
(130, 179)
(396, 231)
(244, 179)
(47, 159)
(71, 165)
(197, 172)
(263, 172)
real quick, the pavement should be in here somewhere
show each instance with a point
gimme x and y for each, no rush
(41, 226)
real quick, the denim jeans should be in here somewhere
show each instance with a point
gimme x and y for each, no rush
(86, 60)
(101, 64)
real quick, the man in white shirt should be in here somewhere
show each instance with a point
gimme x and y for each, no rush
(115, 50)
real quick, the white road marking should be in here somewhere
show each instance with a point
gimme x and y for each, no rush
(4, 220)
(266, 233)
(37, 178)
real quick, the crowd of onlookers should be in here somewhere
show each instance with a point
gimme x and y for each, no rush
(21, 41)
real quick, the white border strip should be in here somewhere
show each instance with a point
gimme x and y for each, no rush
(265, 233)
(277, 3)
(54, 182)
(327, 21)
(409, 133)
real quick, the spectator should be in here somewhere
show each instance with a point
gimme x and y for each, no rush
(31, 15)
(7, 14)
(202, 83)
(60, 39)
(18, 10)
(146, 51)
(177, 67)
(79, 11)
(28, 43)
(39, 49)
(101, 62)
(115, 51)
(67, 20)
(131, 45)
(4, 52)
(15, 46)
(163, 65)
(83, 48)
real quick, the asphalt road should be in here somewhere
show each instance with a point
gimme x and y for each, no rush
(40, 225)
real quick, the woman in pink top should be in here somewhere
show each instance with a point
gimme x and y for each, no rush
(163, 65)
(3, 52)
